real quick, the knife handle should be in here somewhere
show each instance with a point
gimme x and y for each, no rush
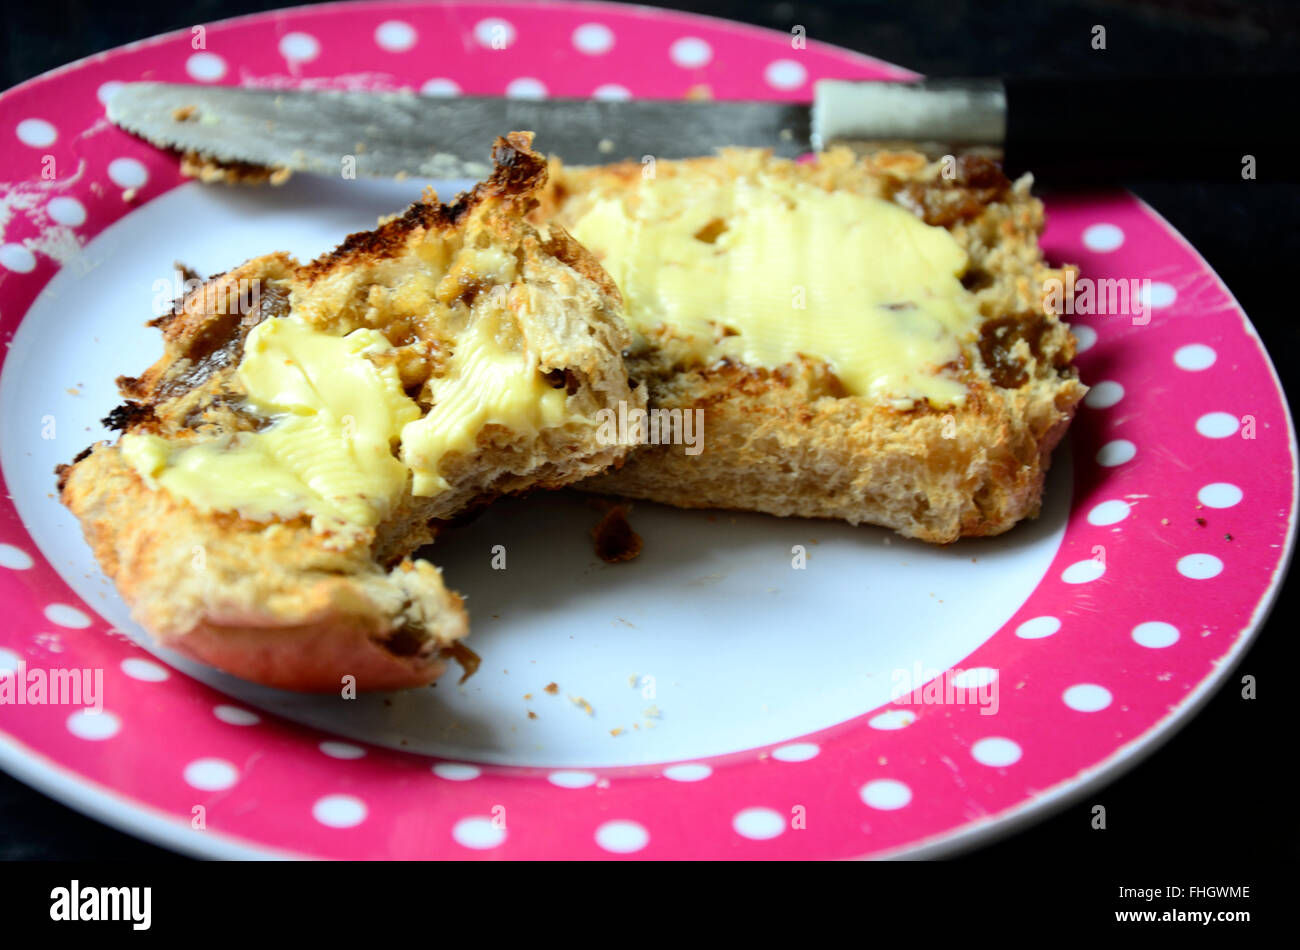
(1081, 131)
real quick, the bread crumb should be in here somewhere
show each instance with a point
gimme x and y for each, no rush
(614, 537)
(528, 695)
(552, 688)
(531, 714)
(617, 731)
(129, 195)
(582, 704)
(185, 113)
(652, 712)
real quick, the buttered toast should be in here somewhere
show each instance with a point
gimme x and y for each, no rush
(864, 339)
(310, 425)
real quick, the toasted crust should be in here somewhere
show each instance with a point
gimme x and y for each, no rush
(284, 605)
(790, 441)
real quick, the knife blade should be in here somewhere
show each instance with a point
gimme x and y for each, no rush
(385, 134)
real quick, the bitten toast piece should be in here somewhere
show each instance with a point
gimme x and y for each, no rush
(864, 338)
(310, 425)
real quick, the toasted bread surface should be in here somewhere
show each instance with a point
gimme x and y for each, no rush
(281, 602)
(789, 439)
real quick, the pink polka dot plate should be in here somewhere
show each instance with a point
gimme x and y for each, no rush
(750, 687)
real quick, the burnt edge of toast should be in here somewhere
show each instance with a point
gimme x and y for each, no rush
(517, 173)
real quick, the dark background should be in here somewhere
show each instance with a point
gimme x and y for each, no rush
(1215, 796)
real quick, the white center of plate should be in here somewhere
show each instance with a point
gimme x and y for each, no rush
(710, 642)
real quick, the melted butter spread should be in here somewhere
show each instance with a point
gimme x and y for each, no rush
(328, 451)
(491, 379)
(765, 270)
(343, 434)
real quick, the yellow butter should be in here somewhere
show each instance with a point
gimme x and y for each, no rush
(344, 436)
(491, 379)
(852, 280)
(328, 452)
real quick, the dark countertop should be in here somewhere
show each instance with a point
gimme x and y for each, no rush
(1214, 794)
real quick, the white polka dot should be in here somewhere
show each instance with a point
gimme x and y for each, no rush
(975, 678)
(440, 87)
(94, 727)
(36, 132)
(9, 661)
(1102, 237)
(758, 823)
(339, 811)
(67, 211)
(796, 752)
(211, 775)
(1083, 572)
(16, 559)
(1086, 337)
(395, 36)
(108, 90)
(1216, 425)
(205, 67)
(1157, 294)
(526, 87)
(1200, 567)
(892, 719)
(146, 671)
(593, 39)
(1116, 453)
(688, 772)
(16, 258)
(1038, 627)
(690, 52)
(1194, 357)
(66, 616)
(1219, 495)
(886, 794)
(1104, 395)
(478, 833)
(785, 74)
(457, 771)
(494, 33)
(996, 751)
(127, 173)
(234, 716)
(1087, 697)
(622, 837)
(571, 779)
(299, 47)
(341, 750)
(1155, 634)
(612, 92)
(1109, 512)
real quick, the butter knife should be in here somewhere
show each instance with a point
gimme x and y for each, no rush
(1063, 130)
